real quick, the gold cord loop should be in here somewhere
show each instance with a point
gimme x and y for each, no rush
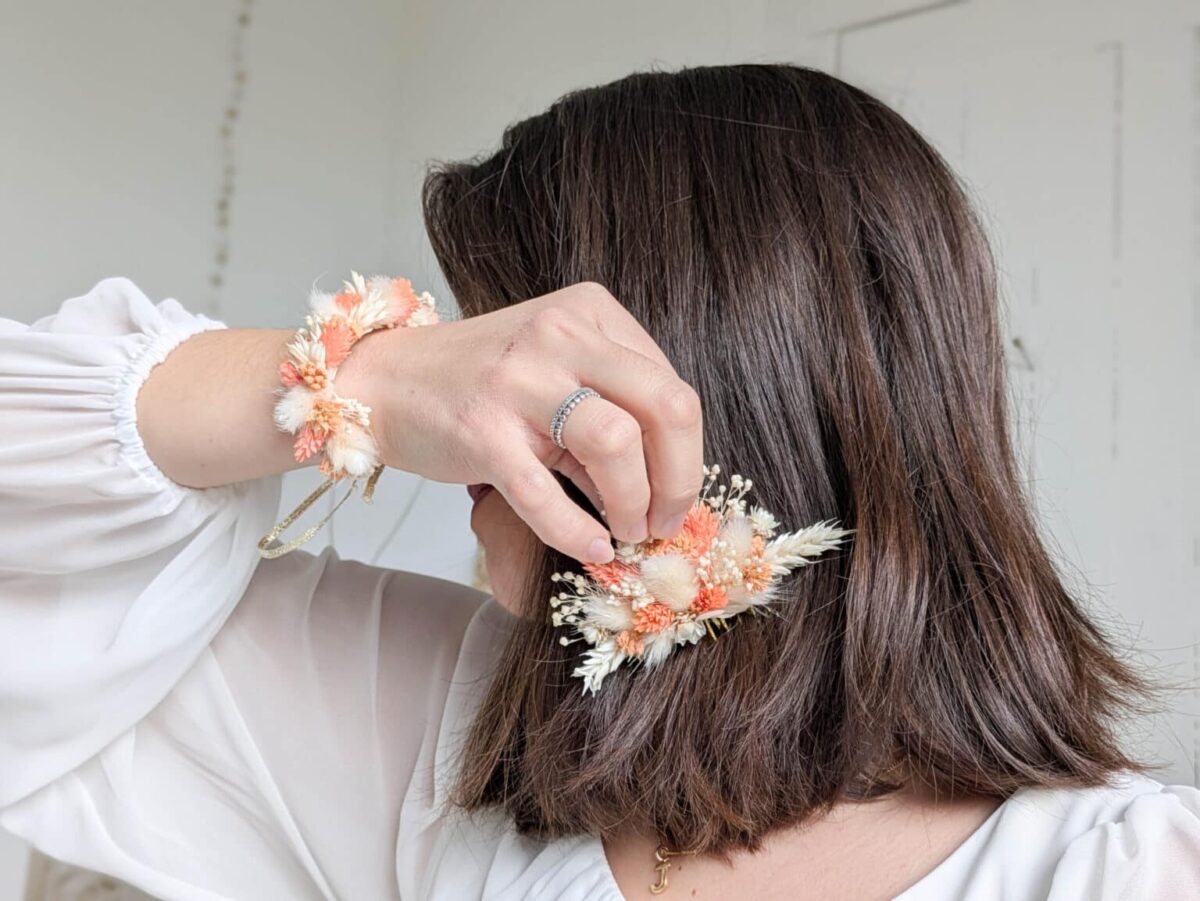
(269, 547)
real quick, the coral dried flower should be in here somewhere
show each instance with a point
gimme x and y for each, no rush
(654, 617)
(338, 338)
(609, 574)
(403, 302)
(757, 573)
(346, 300)
(289, 374)
(326, 415)
(630, 642)
(709, 597)
(309, 441)
(313, 376)
(699, 529)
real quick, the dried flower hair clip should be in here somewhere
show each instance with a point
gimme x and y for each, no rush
(660, 594)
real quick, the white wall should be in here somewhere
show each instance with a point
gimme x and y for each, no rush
(1076, 122)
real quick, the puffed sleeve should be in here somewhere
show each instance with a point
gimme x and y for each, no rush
(113, 579)
(1150, 850)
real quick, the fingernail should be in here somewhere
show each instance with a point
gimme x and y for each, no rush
(671, 527)
(600, 551)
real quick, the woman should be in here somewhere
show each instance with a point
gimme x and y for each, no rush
(930, 715)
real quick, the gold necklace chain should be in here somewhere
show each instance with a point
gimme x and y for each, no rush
(662, 858)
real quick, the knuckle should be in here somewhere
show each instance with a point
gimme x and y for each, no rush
(530, 489)
(613, 435)
(593, 292)
(679, 405)
(554, 324)
(682, 500)
(634, 498)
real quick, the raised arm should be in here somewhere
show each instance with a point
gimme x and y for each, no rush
(466, 402)
(134, 485)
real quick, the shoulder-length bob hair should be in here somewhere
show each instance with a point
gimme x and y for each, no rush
(812, 267)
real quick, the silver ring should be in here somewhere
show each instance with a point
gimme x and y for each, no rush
(559, 422)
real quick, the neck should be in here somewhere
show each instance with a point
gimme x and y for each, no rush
(863, 849)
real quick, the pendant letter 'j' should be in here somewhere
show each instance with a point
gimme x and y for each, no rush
(662, 857)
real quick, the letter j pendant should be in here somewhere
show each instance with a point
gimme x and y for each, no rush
(662, 857)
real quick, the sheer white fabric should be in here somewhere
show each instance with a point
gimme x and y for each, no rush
(203, 725)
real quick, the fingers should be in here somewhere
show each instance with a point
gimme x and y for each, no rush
(574, 471)
(607, 441)
(667, 412)
(641, 443)
(535, 495)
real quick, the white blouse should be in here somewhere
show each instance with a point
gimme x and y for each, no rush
(204, 725)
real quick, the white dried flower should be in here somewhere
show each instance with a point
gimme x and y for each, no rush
(795, 549)
(764, 521)
(294, 408)
(323, 305)
(608, 613)
(738, 535)
(658, 647)
(356, 412)
(689, 632)
(671, 579)
(598, 662)
(351, 450)
(305, 350)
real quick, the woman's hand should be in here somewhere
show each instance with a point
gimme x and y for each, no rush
(471, 401)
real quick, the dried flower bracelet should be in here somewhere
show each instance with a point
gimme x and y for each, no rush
(323, 422)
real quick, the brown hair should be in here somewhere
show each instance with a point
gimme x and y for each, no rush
(812, 267)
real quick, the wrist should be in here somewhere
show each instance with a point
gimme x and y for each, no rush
(363, 376)
(333, 387)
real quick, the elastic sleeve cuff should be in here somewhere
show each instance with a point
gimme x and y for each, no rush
(156, 349)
